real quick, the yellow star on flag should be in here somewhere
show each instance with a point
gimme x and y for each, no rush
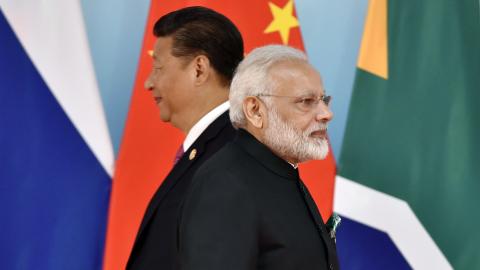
(283, 20)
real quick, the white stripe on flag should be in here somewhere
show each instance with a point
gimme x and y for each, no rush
(53, 34)
(393, 216)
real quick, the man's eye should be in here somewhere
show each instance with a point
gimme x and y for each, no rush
(308, 101)
(156, 70)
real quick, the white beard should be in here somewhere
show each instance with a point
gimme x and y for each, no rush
(290, 143)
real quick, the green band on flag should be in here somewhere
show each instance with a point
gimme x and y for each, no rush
(416, 135)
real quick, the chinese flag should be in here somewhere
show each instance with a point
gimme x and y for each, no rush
(149, 146)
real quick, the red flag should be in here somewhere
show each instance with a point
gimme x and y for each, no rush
(149, 145)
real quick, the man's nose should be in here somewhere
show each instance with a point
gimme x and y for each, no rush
(323, 113)
(148, 84)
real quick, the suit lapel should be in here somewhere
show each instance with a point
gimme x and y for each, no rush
(182, 166)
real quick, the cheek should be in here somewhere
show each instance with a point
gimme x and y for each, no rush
(164, 83)
(304, 124)
(293, 119)
(179, 94)
(158, 82)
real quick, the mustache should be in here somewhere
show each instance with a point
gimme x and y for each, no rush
(317, 127)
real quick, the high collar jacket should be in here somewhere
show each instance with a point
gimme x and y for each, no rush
(247, 209)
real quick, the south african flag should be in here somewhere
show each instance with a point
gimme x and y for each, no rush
(409, 168)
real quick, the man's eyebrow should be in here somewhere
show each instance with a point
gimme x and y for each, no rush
(309, 92)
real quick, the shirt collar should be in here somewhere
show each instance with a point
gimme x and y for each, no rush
(294, 165)
(203, 123)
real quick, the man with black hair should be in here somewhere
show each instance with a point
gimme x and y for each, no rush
(194, 58)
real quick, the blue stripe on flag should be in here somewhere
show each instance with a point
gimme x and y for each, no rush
(54, 193)
(362, 247)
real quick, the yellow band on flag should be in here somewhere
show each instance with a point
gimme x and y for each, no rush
(373, 56)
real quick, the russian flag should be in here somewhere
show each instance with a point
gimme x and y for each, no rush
(56, 157)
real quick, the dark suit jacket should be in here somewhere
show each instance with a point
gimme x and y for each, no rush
(156, 243)
(248, 209)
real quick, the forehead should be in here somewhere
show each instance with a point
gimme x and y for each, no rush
(294, 78)
(162, 48)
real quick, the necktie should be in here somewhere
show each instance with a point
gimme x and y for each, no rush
(179, 154)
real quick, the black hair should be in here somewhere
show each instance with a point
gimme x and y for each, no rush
(200, 30)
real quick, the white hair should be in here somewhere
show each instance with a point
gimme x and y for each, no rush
(251, 77)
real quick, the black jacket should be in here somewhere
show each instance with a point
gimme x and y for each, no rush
(247, 210)
(156, 243)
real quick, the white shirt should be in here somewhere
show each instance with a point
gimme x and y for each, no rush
(203, 123)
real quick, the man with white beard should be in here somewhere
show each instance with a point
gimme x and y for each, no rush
(247, 207)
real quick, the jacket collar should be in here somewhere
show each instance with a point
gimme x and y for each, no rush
(265, 156)
(182, 166)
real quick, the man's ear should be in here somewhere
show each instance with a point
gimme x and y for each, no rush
(202, 68)
(254, 111)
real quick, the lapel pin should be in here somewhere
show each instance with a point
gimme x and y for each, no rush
(192, 155)
(332, 225)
